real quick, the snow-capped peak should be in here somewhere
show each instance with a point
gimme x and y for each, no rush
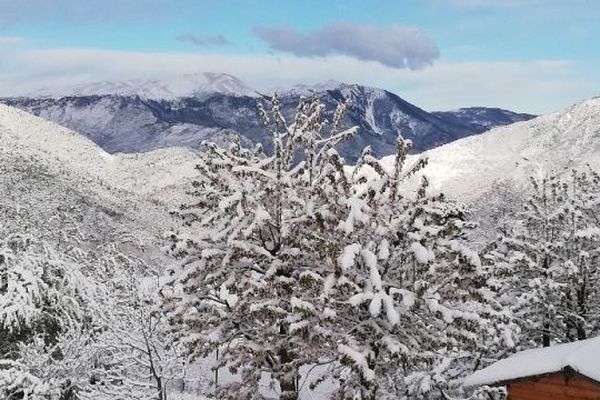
(181, 86)
(303, 89)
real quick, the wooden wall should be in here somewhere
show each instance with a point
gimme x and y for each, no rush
(555, 387)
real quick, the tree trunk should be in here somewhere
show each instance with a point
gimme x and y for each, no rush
(582, 305)
(546, 328)
(288, 389)
(546, 334)
(287, 385)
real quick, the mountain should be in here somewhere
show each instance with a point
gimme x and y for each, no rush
(491, 172)
(45, 167)
(483, 118)
(469, 168)
(147, 115)
(190, 85)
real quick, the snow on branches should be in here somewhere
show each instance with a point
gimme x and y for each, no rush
(546, 264)
(292, 259)
(43, 296)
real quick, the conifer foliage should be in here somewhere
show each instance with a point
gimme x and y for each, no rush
(548, 261)
(293, 261)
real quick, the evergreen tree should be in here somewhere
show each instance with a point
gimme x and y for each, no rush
(547, 262)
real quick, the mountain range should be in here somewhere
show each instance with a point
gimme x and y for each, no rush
(467, 169)
(143, 115)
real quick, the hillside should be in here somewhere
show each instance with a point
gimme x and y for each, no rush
(467, 168)
(49, 173)
(47, 168)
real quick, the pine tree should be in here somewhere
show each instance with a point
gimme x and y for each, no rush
(547, 263)
(289, 262)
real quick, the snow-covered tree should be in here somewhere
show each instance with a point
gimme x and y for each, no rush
(441, 315)
(40, 292)
(80, 323)
(43, 296)
(548, 262)
(135, 352)
(288, 264)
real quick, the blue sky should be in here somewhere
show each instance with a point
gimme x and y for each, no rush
(527, 55)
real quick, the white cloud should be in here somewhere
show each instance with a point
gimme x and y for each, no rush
(11, 41)
(396, 46)
(532, 86)
(204, 40)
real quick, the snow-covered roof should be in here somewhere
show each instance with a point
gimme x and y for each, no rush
(583, 357)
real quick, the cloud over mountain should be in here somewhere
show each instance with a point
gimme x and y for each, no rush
(204, 40)
(395, 46)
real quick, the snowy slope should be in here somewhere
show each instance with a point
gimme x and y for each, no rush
(189, 85)
(45, 168)
(146, 174)
(467, 168)
(303, 89)
(483, 118)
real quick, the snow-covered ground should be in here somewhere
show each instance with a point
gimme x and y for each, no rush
(149, 174)
(467, 168)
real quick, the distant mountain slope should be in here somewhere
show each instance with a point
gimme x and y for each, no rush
(483, 118)
(468, 168)
(126, 117)
(121, 179)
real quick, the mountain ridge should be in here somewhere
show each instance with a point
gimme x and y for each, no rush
(477, 170)
(551, 143)
(133, 123)
(188, 85)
